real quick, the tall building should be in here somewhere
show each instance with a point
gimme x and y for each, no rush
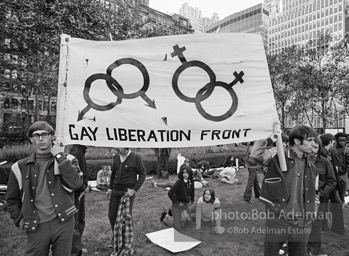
(301, 20)
(194, 15)
(272, 6)
(251, 20)
(215, 17)
(172, 24)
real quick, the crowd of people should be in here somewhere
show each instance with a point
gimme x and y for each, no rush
(45, 194)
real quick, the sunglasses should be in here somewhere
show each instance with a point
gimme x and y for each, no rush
(43, 135)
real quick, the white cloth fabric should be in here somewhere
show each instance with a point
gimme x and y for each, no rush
(180, 161)
(228, 172)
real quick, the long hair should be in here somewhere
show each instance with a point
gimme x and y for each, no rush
(301, 133)
(189, 171)
(212, 193)
(326, 139)
(228, 162)
(319, 142)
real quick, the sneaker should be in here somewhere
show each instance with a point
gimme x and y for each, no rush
(153, 183)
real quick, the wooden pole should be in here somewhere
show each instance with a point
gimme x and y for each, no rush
(280, 148)
(62, 86)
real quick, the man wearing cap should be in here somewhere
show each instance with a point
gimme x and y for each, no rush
(40, 194)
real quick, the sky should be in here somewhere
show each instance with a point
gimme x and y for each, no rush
(224, 8)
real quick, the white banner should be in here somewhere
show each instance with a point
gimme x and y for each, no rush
(171, 91)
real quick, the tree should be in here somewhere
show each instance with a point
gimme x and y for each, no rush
(283, 73)
(311, 81)
(324, 69)
(33, 30)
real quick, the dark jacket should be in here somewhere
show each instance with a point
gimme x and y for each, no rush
(274, 192)
(21, 187)
(182, 192)
(340, 157)
(329, 155)
(78, 151)
(327, 178)
(124, 175)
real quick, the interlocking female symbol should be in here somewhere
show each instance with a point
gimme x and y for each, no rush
(207, 90)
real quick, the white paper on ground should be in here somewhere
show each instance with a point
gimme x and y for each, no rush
(172, 240)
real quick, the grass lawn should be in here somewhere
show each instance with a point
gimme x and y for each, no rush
(240, 238)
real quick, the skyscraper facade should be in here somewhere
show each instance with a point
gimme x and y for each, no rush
(272, 6)
(301, 20)
(194, 15)
(251, 20)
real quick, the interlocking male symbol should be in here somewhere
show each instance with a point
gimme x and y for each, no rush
(207, 90)
(115, 87)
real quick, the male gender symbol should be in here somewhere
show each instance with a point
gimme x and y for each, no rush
(207, 90)
(115, 87)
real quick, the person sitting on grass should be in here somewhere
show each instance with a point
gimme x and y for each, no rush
(103, 178)
(196, 176)
(228, 175)
(182, 194)
(230, 161)
(204, 168)
(208, 209)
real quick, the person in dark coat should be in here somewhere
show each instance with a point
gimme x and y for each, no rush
(327, 184)
(337, 227)
(163, 155)
(79, 152)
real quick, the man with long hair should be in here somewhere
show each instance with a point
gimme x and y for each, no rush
(289, 195)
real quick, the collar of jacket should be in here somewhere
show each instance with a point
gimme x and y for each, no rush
(291, 154)
(31, 159)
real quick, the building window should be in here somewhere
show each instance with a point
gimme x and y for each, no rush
(7, 57)
(7, 73)
(14, 59)
(24, 62)
(14, 103)
(53, 107)
(14, 74)
(7, 103)
(7, 43)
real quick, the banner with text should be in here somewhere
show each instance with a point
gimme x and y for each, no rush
(171, 91)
